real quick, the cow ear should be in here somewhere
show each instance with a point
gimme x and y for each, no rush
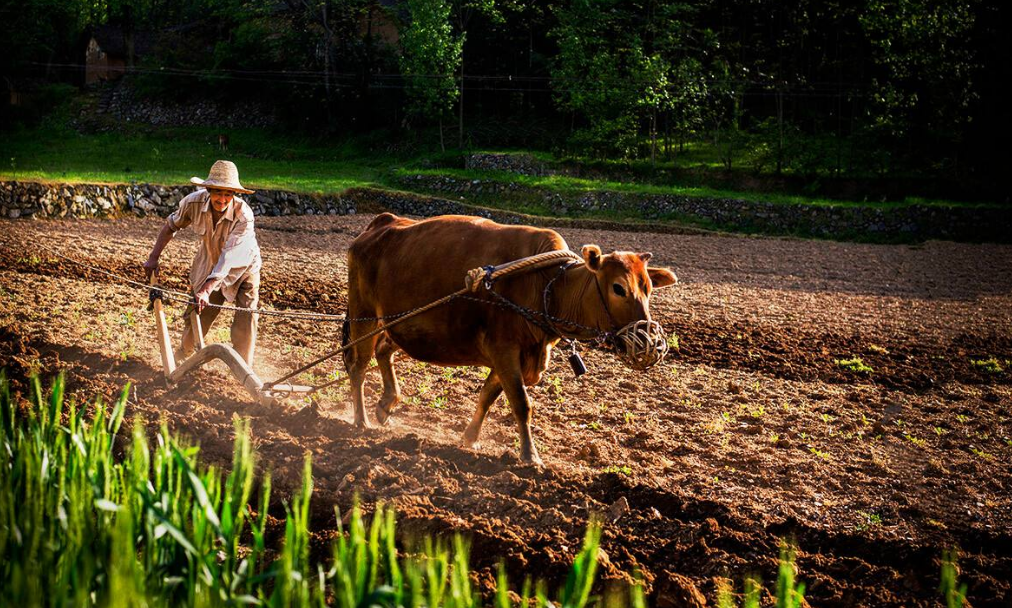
(661, 277)
(645, 257)
(592, 256)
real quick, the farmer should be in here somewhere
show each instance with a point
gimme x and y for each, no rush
(227, 265)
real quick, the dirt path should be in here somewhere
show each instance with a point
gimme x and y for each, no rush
(749, 434)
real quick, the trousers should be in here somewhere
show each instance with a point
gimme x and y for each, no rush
(244, 324)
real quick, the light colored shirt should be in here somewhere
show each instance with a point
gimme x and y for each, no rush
(228, 251)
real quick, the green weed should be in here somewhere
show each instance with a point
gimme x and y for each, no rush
(618, 469)
(991, 366)
(855, 365)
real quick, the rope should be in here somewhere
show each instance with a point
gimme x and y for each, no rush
(372, 333)
(474, 279)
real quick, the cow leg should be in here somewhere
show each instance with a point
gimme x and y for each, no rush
(356, 362)
(490, 391)
(511, 376)
(385, 350)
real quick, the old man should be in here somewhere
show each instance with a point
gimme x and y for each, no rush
(226, 267)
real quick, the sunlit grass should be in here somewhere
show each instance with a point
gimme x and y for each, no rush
(171, 156)
(283, 161)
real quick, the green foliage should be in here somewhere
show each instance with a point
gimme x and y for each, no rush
(789, 594)
(926, 64)
(431, 56)
(615, 68)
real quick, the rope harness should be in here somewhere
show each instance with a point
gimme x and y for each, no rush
(639, 345)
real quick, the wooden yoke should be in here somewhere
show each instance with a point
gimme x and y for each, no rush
(162, 330)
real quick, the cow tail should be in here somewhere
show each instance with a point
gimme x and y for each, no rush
(345, 338)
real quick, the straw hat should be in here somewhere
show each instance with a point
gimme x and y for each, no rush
(223, 176)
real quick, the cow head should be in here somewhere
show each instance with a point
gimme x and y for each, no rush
(625, 282)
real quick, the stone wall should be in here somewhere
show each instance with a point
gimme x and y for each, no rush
(33, 199)
(118, 100)
(911, 223)
(523, 164)
(906, 223)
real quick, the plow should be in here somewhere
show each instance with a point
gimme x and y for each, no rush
(241, 370)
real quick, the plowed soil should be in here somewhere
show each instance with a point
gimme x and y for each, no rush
(751, 432)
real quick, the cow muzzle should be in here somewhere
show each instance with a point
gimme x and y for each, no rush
(641, 344)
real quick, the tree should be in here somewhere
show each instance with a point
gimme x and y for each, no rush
(592, 74)
(923, 88)
(622, 64)
(431, 56)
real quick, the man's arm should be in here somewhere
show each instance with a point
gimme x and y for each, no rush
(164, 236)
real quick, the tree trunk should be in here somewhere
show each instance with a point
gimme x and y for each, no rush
(460, 136)
(667, 135)
(326, 59)
(442, 146)
(780, 130)
(653, 138)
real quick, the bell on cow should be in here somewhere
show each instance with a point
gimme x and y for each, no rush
(576, 362)
(641, 345)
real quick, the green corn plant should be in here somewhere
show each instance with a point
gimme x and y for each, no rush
(502, 597)
(292, 583)
(576, 593)
(752, 590)
(637, 592)
(789, 595)
(726, 596)
(81, 525)
(954, 593)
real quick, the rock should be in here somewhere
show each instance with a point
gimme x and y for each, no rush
(14, 214)
(617, 509)
(677, 591)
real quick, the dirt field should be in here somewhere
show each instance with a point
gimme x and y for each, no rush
(750, 433)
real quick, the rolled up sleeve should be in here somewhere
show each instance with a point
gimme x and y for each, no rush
(183, 215)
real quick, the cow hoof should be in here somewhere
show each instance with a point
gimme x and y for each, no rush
(470, 445)
(533, 459)
(363, 424)
(382, 415)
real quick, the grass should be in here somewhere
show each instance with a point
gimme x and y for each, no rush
(563, 184)
(170, 156)
(991, 366)
(285, 161)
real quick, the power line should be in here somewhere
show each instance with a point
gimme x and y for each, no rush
(401, 82)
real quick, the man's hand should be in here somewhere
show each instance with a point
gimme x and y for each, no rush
(203, 295)
(150, 267)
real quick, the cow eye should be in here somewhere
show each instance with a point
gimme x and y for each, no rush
(619, 290)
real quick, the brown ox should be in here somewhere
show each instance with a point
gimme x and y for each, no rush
(397, 265)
